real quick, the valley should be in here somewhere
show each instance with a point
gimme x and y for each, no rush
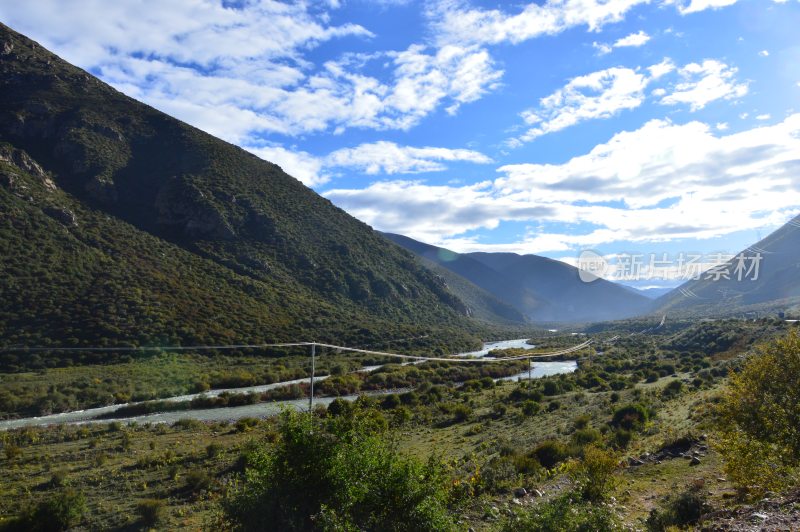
(162, 292)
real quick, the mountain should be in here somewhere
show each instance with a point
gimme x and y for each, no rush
(653, 292)
(765, 276)
(542, 289)
(487, 300)
(122, 225)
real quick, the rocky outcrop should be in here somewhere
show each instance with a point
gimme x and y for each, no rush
(182, 206)
(25, 163)
(65, 216)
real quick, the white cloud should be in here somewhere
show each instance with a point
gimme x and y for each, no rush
(597, 95)
(389, 158)
(695, 6)
(604, 93)
(241, 72)
(705, 82)
(663, 68)
(371, 158)
(722, 126)
(297, 163)
(661, 182)
(764, 53)
(765, 116)
(634, 40)
(203, 32)
(602, 48)
(637, 39)
(456, 22)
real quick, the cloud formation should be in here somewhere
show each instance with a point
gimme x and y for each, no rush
(457, 22)
(661, 182)
(596, 95)
(634, 40)
(372, 158)
(240, 72)
(605, 93)
(705, 82)
(389, 158)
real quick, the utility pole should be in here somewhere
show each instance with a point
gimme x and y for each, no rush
(311, 394)
(530, 369)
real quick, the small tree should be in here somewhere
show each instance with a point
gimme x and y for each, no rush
(759, 418)
(595, 473)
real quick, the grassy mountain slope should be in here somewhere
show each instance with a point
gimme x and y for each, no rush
(774, 284)
(122, 224)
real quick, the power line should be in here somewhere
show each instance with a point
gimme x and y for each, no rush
(34, 349)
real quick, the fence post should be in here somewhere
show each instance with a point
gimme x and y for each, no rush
(311, 393)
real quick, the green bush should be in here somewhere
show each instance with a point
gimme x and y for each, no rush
(62, 511)
(566, 513)
(550, 453)
(197, 480)
(759, 419)
(151, 511)
(630, 417)
(583, 437)
(680, 510)
(531, 408)
(461, 413)
(338, 473)
(595, 473)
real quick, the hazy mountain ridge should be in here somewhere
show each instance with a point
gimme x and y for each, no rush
(769, 280)
(542, 289)
(457, 270)
(113, 172)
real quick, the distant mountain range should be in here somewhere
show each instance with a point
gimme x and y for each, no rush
(541, 289)
(120, 225)
(763, 277)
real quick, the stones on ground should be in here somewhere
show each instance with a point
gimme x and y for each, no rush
(520, 492)
(695, 461)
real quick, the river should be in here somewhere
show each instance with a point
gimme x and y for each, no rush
(91, 415)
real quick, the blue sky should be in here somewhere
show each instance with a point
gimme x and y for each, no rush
(622, 126)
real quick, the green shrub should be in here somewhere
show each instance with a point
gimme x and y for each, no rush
(759, 419)
(461, 413)
(672, 389)
(595, 473)
(680, 510)
(188, 424)
(62, 511)
(498, 474)
(621, 438)
(197, 480)
(566, 513)
(583, 437)
(214, 449)
(630, 417)
(151, 511)
(338, 474)
(549, 453)
(531, 408)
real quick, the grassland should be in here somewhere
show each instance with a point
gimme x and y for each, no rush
(494, 432)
